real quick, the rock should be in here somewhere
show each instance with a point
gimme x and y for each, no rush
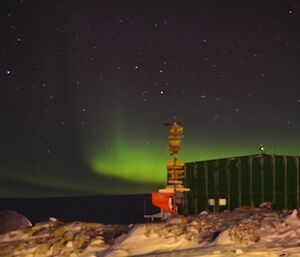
(268, 206)
(224, 238)
(239, 251)
(52, 219)
(293, 219)
(203, 213)
(11, 220)
(176, 220)
(283, 254)
(69, 244)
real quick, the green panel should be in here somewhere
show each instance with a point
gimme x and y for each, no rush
(279, 182)
(222, 183)
(222, 178)
(195, 187)
(245, 181)
(268, 178)
(202, 203)
(211, 180)
(195, 180)
(189, 182)
(291, 183)
(256, 181)
(233, 171)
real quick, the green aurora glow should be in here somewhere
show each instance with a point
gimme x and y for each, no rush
(134, 160)
(131, 161)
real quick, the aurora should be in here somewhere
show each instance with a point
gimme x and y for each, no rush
(87, 86)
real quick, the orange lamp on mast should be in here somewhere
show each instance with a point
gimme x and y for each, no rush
(175, 135)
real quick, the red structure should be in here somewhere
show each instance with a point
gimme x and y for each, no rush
(165, 201)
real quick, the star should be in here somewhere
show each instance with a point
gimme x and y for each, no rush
(98, 76)
(217, 116)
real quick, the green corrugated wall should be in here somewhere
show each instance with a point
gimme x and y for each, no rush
(242, 181)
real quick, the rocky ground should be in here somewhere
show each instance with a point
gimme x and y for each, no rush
(247, 231)
(55, 238)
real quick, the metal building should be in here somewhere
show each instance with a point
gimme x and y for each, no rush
(225, 184)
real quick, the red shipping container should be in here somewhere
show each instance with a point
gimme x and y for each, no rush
(166, 201)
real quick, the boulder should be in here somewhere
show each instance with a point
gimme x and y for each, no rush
(12, 220)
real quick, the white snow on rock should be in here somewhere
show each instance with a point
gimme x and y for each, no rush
(293, 219)
(224, 238)
(55, 238)
(150, 238)
(239, 251)
(242, 232)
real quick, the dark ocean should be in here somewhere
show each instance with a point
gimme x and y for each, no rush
(121, 209)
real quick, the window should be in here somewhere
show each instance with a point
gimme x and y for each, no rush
(211, 202)
(222, 201)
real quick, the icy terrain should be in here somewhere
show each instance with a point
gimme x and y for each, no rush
(54, 238)
(243, 232)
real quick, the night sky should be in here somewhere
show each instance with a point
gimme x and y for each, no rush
(86, 87)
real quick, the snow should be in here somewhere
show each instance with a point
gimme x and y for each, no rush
(248, 232)
(242, 232)
(224, 238)
(145, 239)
